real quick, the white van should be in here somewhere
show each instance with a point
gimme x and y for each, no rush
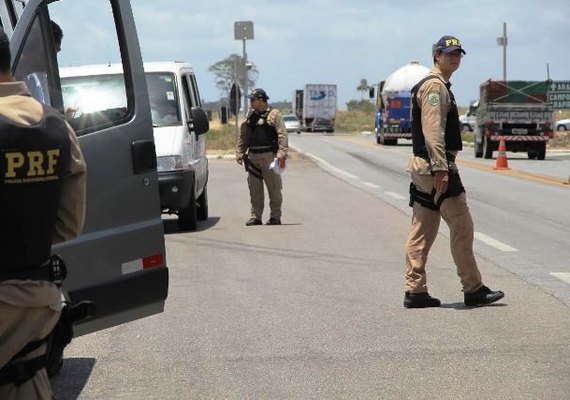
(180, 148)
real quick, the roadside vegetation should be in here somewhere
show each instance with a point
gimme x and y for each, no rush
(358, 118)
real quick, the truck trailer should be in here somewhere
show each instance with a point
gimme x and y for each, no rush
(315, 101)
(516, 111)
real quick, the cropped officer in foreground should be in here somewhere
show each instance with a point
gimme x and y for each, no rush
(42, 202)
(262, 138)
(436, 190)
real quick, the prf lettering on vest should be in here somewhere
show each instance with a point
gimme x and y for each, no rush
(452, 42)
(31, 166)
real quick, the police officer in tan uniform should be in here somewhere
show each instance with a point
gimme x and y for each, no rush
(436, 190)
(42, 202)
(262, 138)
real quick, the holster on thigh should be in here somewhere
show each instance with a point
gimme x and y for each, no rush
(454, 188)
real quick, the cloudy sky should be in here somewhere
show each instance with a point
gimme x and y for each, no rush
(344, 41)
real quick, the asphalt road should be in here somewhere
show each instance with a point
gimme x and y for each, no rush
(313, 308)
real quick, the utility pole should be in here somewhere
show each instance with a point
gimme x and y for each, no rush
(502, 41)
(243, 30)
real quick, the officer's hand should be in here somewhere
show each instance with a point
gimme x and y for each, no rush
(441, 181)
(239, 160)
(281, 159)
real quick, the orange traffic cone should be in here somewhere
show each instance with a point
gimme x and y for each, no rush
(502, 157)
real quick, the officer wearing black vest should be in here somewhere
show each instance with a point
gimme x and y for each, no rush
(436, 190)
(262, 139)
(42, 202)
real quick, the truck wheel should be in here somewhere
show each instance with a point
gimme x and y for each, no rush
(202, 212)
(378, 139)
(531, 155)
(187, 217)
(541, 151)
(487, 148)
(466, 128)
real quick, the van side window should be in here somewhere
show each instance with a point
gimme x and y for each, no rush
(188, 99)
(198, 101)
(89, 105)
(164, 99)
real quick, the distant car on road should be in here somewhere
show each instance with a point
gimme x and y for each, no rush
(322, 125)
(562, 125)
(292, 123)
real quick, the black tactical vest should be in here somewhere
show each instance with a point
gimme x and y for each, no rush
(452, 127)
(33, 160)
(259, 132)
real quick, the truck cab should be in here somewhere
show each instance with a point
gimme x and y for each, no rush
(119, 261)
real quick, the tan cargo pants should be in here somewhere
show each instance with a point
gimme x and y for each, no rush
(425, 225)
(18, 327)
(273, 182)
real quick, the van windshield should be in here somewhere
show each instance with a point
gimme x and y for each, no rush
(163, 98)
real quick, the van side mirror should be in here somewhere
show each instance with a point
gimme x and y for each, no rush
(199, 120)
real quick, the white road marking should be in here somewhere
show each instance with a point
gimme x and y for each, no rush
(373, 186)
(493, 242)
(564, 276)
(330, 167)
(395, 195)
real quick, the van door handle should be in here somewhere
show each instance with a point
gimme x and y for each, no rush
(143, 155)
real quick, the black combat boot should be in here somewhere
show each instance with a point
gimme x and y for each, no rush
(253, 221)
(420, 300)
(273, 221)
(482, 296)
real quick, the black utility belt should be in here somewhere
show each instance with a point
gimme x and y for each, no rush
(53, 270)
(261, 150)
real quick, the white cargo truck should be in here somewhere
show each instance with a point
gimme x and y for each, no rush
(319, 101)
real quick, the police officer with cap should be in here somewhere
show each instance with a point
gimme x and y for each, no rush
(436, 190)
(262, 138)
(42, 202)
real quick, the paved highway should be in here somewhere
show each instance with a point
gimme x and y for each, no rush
(313, 308)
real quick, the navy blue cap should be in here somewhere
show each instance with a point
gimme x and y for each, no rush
(258, 94)
(447, 44)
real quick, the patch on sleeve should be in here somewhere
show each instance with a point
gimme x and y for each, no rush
(433, 99)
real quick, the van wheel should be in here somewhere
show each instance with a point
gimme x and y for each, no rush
(187, 217)
(202, 212)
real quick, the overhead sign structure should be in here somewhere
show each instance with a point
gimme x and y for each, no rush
(559, 95)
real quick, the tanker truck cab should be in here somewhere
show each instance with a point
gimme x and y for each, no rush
(119, 260)
(179, 127)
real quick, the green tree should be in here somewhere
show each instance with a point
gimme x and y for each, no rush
(363, 87)
(230, 69)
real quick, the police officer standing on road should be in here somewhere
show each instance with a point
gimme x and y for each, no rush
(262, 138)
(436, 190)
(42, 202)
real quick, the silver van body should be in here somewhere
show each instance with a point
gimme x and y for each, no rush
(119, 261)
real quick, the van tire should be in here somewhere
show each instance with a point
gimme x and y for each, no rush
(187, 217)
(202, 212)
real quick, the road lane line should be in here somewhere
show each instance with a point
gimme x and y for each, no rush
(372, 185)
(395, 195)
(330, 167)
(564, 276)
(493, 242)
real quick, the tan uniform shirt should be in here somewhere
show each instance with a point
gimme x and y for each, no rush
(435, 102)
(17, 105)
(275, 120)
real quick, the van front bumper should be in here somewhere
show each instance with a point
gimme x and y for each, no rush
(175, 189)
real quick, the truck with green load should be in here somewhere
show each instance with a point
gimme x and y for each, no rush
(517, 112)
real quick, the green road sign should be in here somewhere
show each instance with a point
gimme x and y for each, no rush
(559, 95)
